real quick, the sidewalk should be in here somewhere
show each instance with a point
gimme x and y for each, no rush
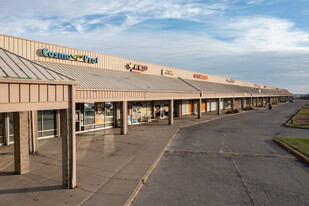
(110, 167)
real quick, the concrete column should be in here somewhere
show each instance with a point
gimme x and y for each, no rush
(218, 106)
(251, 101)
(180, 108)
(256, 102)
(243, 103)
(171, 112)
(233, 104)
(124, 118)
(67, 131)
(33, 132)
(153, 109)
(199, 108)
(21, 149)
(6, 129)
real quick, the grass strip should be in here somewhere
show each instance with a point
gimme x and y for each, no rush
(297, 143)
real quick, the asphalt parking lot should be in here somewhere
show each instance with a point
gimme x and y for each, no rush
(231, 161)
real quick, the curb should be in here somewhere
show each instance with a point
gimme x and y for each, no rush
(145, 177)
(292, 150)
(291, 117)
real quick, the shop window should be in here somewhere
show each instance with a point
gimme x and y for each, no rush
(47, 123)
(89, 118)
(99, 115)
(109, 114)
(1, 129)
(11, 127)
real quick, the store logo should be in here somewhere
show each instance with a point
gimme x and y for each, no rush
(167, 72)
(57, 55)
(230, 80)
(199, 76)
(136, 68)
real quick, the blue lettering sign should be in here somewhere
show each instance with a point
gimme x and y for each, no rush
(57, 55)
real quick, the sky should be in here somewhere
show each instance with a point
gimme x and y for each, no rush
(260, 41)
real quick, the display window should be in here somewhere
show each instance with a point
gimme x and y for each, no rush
(47, 123)
(99, 115)
(90, 116)
(11, 127)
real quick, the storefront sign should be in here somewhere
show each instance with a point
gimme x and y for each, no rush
(57, 55)
(199, 76)
(230, 80)
(136, 68)
(167, 72)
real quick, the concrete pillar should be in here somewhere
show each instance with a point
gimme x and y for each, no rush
(33, 132)
(256, 102)
(21, 149)
(199, 108)
(233, 104)
(180, 108)
(251, 102)
(124, 118)
(218, 107)
(171, 112)
(67, 132)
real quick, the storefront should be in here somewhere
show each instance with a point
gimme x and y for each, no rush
(204, 105)
(139, 112)
(227, 103)
(189, 107)
(211, 105)
(92, 116)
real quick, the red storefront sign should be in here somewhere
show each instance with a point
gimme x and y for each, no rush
(199, 76)
(137, 68)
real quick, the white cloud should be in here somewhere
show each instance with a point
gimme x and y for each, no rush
(262, 49)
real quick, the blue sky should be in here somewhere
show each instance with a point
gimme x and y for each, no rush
(261, 41)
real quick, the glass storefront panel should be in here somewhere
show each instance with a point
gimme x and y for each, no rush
(11, 130)
(109, 114)
(99, 115)
(47, 123)
(89, 118)
(1, 129)
(129, 113)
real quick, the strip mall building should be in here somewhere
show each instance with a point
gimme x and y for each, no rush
(49, 91)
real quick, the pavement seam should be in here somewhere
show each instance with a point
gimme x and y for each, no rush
(227, 154)
(245, 184)
(144, 179)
